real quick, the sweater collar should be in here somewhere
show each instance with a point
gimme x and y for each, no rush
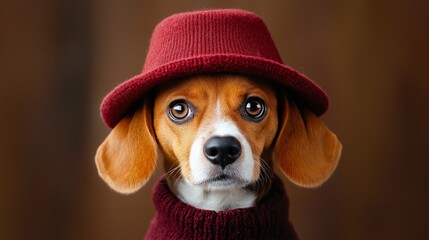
(269, 219)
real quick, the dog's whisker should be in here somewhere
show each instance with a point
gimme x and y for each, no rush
(174, 173)
(265, 174)
(172, 170)
(177, 175)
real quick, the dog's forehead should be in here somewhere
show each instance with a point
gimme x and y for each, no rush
(202, 87)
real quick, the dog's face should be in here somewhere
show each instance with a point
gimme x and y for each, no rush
(216, 128)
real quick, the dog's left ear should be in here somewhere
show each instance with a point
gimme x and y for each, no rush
(127, 158)
(306, 150)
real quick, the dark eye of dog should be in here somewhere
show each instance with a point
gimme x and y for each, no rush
(254, 109)
(180, 111)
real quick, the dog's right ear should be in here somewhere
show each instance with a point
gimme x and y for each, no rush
(127, 158)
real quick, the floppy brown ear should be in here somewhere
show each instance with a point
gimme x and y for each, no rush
(306, 150)
(127, 158)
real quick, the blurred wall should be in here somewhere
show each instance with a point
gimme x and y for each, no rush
(59, 59)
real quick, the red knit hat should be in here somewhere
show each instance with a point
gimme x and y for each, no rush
(212, 41)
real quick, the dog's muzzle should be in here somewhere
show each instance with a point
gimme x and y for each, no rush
(222, 151)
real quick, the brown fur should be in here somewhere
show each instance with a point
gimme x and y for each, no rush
(306, 151)
(127, 158)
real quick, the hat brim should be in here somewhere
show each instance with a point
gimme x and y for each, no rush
(120, 100)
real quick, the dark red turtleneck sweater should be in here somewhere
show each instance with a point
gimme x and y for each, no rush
(177, 220)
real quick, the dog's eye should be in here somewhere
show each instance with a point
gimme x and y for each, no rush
(179, 111)
(254, 109)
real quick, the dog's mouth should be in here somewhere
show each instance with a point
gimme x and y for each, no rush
(223, 180)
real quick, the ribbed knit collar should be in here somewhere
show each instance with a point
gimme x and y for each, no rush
(177, 220)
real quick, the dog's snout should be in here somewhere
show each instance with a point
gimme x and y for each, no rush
(222, 150)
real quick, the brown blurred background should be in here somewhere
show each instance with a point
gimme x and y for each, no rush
(60, 58)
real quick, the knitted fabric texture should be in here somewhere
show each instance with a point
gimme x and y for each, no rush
(207, 42)
(177, 220)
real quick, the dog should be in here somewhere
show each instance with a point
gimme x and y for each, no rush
(218, 137)
(216, 105)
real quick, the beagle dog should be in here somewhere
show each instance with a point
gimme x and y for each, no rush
(218, 136)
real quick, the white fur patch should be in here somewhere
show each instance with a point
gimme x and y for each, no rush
(201, 191)
(202, 169)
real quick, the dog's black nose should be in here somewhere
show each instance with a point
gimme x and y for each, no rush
(222, 150)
